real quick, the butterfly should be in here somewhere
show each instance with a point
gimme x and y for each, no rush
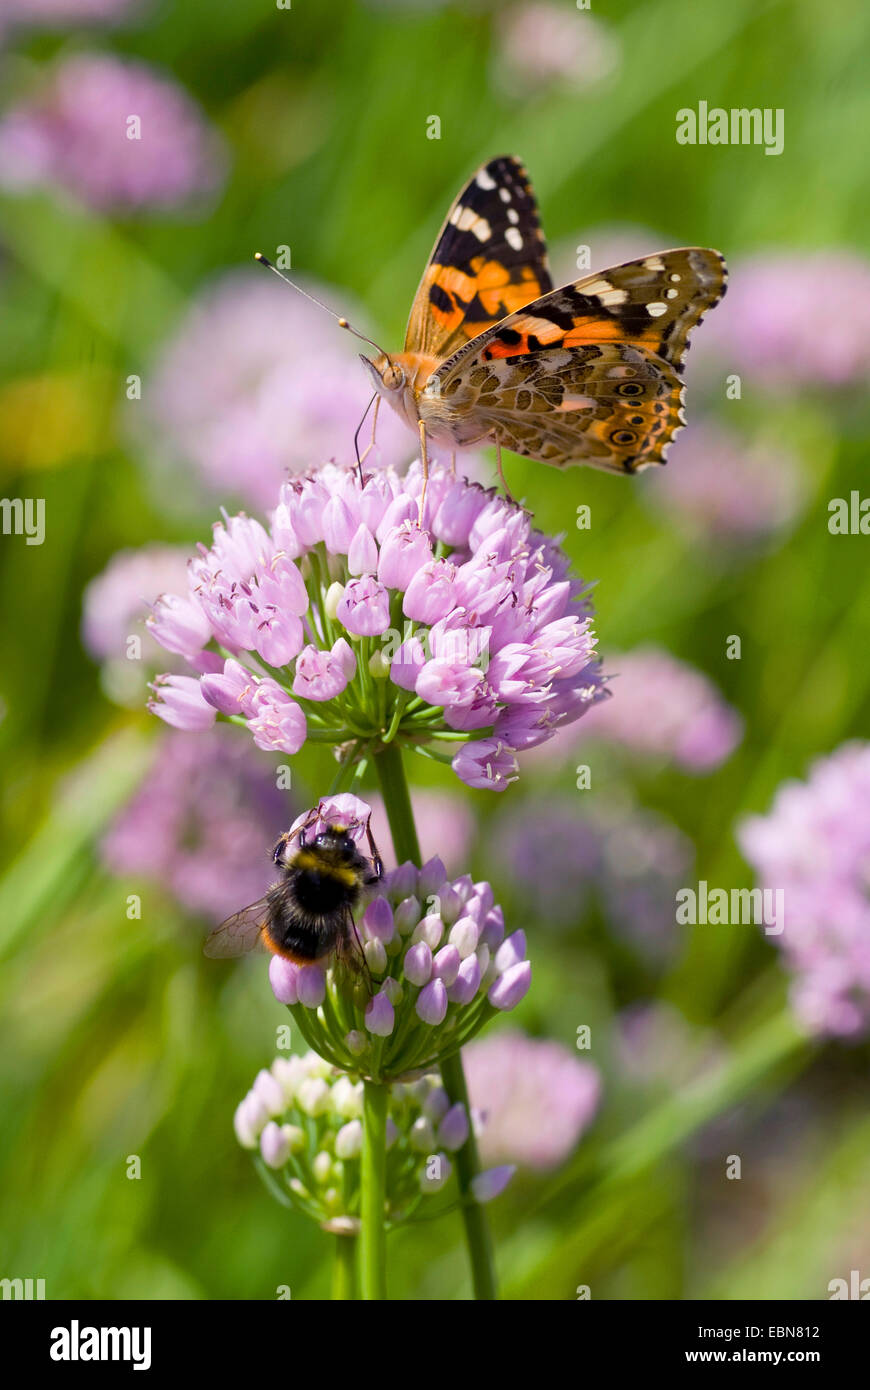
(587, 374)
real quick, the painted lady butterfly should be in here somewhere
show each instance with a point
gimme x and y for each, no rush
(590, 373)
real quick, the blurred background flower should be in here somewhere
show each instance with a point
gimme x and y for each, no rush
(77, 131)
(725, 489)
(814, 847)
(767, 326)
(542, 42)
(258, 384)
(533, 1098)
(662, 708)
(115, 605)
(563, 860)
(203, 823)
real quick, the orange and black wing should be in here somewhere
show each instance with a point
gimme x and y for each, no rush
(590, 373)
(490, 259)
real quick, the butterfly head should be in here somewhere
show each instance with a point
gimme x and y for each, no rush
(388, 376)
(395, 384)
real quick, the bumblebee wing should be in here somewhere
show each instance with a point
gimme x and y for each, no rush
(240, 933)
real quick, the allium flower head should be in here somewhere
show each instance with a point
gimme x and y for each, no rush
(435, 966)
(721, 488)
(257, 383)
(349, 622)
(303, 1120)
(532, 1098)
(201, 823)
(814, 846)
(75, 133)
(664, 708)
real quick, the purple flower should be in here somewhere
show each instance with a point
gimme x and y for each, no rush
(535, 1098)
(115, 134)
(662, 707)
(813, 846)
(364, 607)
(511, 986)
(720, 488)
(508, 659)
(178, 700)
(256, 383)
(200, 822)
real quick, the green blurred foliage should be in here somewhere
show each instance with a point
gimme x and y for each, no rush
(118, 1037)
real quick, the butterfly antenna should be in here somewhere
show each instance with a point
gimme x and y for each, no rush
(342, 322)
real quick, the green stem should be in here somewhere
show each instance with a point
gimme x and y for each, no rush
(344, 1269)
(373, 1172)
(397, 802)
(477, 1235)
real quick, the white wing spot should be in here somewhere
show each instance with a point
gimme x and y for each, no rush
(656, 309)
(671, 294)
(504, 194)
(513, 215)
(654, 263)
(485, 180)
(513, 238)
(467, 220)
(607, 292)
(675, 278)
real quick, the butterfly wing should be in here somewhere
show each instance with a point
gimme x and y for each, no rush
(489, 260)
(240, 933)
(590, 373)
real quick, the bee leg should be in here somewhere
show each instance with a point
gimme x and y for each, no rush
(280, 847)
(363, 961)
(507, 490)
(312, 817)
(377, 862)
(424, 459)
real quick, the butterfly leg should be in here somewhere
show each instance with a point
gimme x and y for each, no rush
(361, 458)
(507, 491)
(424, 459)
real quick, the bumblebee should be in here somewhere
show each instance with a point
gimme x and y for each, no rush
(308, 914)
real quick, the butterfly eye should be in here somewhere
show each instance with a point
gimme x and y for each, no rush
(393, 377)
(623, 437)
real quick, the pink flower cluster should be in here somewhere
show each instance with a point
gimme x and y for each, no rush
(115, 134)
(351, 618)
(814, 845)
